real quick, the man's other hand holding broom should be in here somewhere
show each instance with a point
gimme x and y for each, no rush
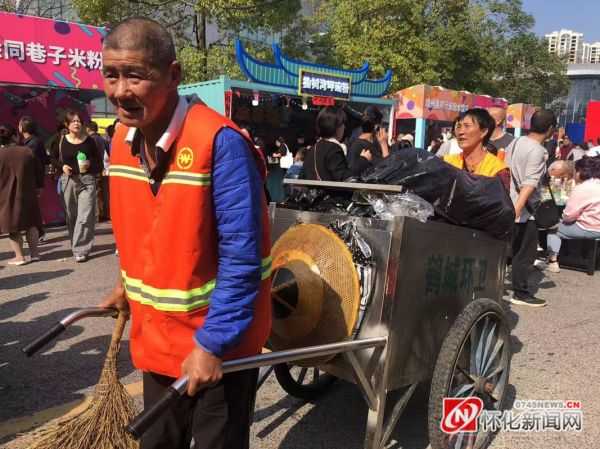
(116, 299)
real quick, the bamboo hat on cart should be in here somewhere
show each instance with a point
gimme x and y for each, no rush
(316, 290)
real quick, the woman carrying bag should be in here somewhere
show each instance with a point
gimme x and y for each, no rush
(76, 157)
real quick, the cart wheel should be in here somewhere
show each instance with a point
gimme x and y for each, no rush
(303, 383)
(474, 361)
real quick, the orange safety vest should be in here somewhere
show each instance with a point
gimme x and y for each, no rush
(168, 247)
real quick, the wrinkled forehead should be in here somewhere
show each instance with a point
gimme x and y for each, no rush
(127, 56)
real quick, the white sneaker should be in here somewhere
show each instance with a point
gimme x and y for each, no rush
(553, 267)
(542, 265)
(530, 301)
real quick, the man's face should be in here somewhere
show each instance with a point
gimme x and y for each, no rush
(138, 90)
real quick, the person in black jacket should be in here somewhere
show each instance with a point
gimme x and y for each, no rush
(326, 161)
(27, 130)
(373, 139)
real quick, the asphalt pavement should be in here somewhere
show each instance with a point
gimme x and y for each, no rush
(555, 357)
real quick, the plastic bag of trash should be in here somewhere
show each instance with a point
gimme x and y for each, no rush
(388, 206)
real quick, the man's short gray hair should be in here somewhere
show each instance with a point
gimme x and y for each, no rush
(146, 35)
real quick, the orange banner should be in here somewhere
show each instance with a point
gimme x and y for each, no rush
(439, 104)
(519, 115)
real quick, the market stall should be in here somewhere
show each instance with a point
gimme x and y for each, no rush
(280, 101)
(47, 67)
(518, 117)
(422, 107)
(283, 98)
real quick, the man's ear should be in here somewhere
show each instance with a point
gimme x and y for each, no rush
(175, 73)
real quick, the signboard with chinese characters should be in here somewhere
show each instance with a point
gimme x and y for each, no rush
(324, 85)
(46, 52)
(439, 104)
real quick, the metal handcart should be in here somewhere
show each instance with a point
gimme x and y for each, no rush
(432, 316)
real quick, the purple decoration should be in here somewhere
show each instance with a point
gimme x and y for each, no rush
(62, 27)
(410, 105)
(509, 118)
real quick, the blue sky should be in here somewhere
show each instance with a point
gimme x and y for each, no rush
(578, 15)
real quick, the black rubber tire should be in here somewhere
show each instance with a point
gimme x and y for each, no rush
(445, 366)
(308, 391)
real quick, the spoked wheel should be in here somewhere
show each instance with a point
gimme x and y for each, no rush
(301, 382)
(474, 361)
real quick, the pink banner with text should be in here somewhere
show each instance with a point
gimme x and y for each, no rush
(46, 52)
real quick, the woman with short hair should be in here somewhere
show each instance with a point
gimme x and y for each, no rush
(326, 161)
(473, 133)
(75, 155)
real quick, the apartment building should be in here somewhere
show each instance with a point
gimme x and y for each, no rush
(567, 43)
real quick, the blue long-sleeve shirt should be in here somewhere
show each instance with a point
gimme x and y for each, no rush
(237, 196)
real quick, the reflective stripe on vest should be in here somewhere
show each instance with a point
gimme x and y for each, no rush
(173, 300)
(172, 177)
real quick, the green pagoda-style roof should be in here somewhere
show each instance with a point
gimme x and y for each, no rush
(286, 72)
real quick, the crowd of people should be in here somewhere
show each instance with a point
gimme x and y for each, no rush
(75, 161)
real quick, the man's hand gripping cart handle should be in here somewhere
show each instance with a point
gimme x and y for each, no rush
(144, 420)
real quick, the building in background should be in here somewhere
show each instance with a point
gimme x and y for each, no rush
(566, 43)
(594, 53)
(570, 45)
(585, 86)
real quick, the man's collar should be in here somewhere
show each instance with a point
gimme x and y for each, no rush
(172, 131)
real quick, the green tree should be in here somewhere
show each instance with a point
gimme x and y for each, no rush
(189, 22)
(484, 46)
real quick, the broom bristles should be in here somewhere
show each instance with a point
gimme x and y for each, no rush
(102, 424)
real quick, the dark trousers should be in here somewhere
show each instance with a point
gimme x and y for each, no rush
(218, 417)
(524, 248)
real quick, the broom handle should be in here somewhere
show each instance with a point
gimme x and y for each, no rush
(119, 328)
(59, 327)
(144, 420)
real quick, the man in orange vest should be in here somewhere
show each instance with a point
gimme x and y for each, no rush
(191, 227)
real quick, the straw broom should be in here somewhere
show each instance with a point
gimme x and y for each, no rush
(101, 425)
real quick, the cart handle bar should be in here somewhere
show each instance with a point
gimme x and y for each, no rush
(59, 327)
(144, 420)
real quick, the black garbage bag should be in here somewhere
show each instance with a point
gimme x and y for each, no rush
(419, 171)
(480, 202)
(461, 198)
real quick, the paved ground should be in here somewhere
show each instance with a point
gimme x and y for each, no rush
(556, 357)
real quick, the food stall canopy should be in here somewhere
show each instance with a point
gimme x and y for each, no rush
(309, 79)
(518, 116)
(424, 103)
(437, 103)
(46, 52)
(217, 93)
